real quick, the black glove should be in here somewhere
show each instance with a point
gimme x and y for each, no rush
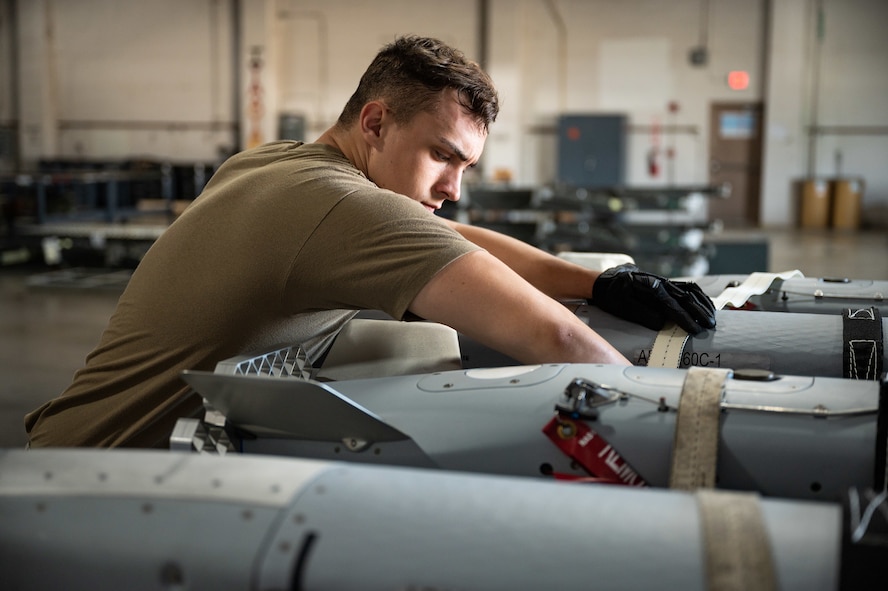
(651, 300)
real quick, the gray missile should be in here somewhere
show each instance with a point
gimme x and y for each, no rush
(790, 436)
(794, 344)
(140, 520)
(808, 295)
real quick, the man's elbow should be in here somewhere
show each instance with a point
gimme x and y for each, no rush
(574, 342)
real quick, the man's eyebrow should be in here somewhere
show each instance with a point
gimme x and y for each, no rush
(455, 149)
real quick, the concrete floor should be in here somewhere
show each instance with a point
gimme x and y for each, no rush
(46, 331)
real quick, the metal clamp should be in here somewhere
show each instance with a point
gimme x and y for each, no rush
(581, 398)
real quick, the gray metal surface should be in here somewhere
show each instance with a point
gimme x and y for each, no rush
(268, 407)
(809, 295)
(796, 344)
(88, 519)
(133, 520)
(491, 420)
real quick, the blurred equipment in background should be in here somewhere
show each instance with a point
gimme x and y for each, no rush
(95, 213)
(661, 228)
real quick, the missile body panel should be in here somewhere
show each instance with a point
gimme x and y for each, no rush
(794, 344)
(808, 295)
(791, 436)
(90, 519)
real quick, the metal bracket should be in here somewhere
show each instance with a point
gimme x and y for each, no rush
(581, 398)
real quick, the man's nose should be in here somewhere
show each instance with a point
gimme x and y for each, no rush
(450, 184)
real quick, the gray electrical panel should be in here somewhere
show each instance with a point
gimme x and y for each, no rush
(591, 150)
(8, 148)
(291, 126)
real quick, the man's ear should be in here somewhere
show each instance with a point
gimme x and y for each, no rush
(371, 121)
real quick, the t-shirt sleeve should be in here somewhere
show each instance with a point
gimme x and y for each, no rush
(374, 250)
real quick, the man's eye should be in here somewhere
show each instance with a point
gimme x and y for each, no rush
(441, 156)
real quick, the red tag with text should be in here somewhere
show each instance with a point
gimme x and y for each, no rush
(591, 451)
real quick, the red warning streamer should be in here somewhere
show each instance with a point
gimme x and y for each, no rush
(591, 451)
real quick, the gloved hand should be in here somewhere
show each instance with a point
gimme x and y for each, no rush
(651, 300)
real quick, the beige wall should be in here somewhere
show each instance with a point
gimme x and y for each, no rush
(125, 78)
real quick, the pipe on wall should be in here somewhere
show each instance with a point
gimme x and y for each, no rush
(819, 32)
(821, 130)
(142, 125)
(14, 69)
(561, 29)
(236, 81)
(483, 33)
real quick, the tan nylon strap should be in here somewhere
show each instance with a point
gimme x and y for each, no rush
(755, 284)
(668, 346)
(735, 542)
(695, 446)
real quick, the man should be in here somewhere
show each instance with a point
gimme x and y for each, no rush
(289, 240)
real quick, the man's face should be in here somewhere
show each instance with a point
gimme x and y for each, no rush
(425, 159)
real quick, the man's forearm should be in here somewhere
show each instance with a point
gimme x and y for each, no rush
(479, 296)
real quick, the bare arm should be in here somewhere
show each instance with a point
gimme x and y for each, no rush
(625, 291)
(553, 276)
(481, 297)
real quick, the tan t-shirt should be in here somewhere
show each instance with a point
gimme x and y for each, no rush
(286, 241)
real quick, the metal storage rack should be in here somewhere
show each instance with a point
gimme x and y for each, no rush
(661, 228)
(112, 208)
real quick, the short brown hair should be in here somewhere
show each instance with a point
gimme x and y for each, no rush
(410, 73)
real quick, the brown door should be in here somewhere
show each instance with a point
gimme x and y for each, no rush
(735, 157)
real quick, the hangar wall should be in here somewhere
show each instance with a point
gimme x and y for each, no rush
(629, 57)
(194, 80)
